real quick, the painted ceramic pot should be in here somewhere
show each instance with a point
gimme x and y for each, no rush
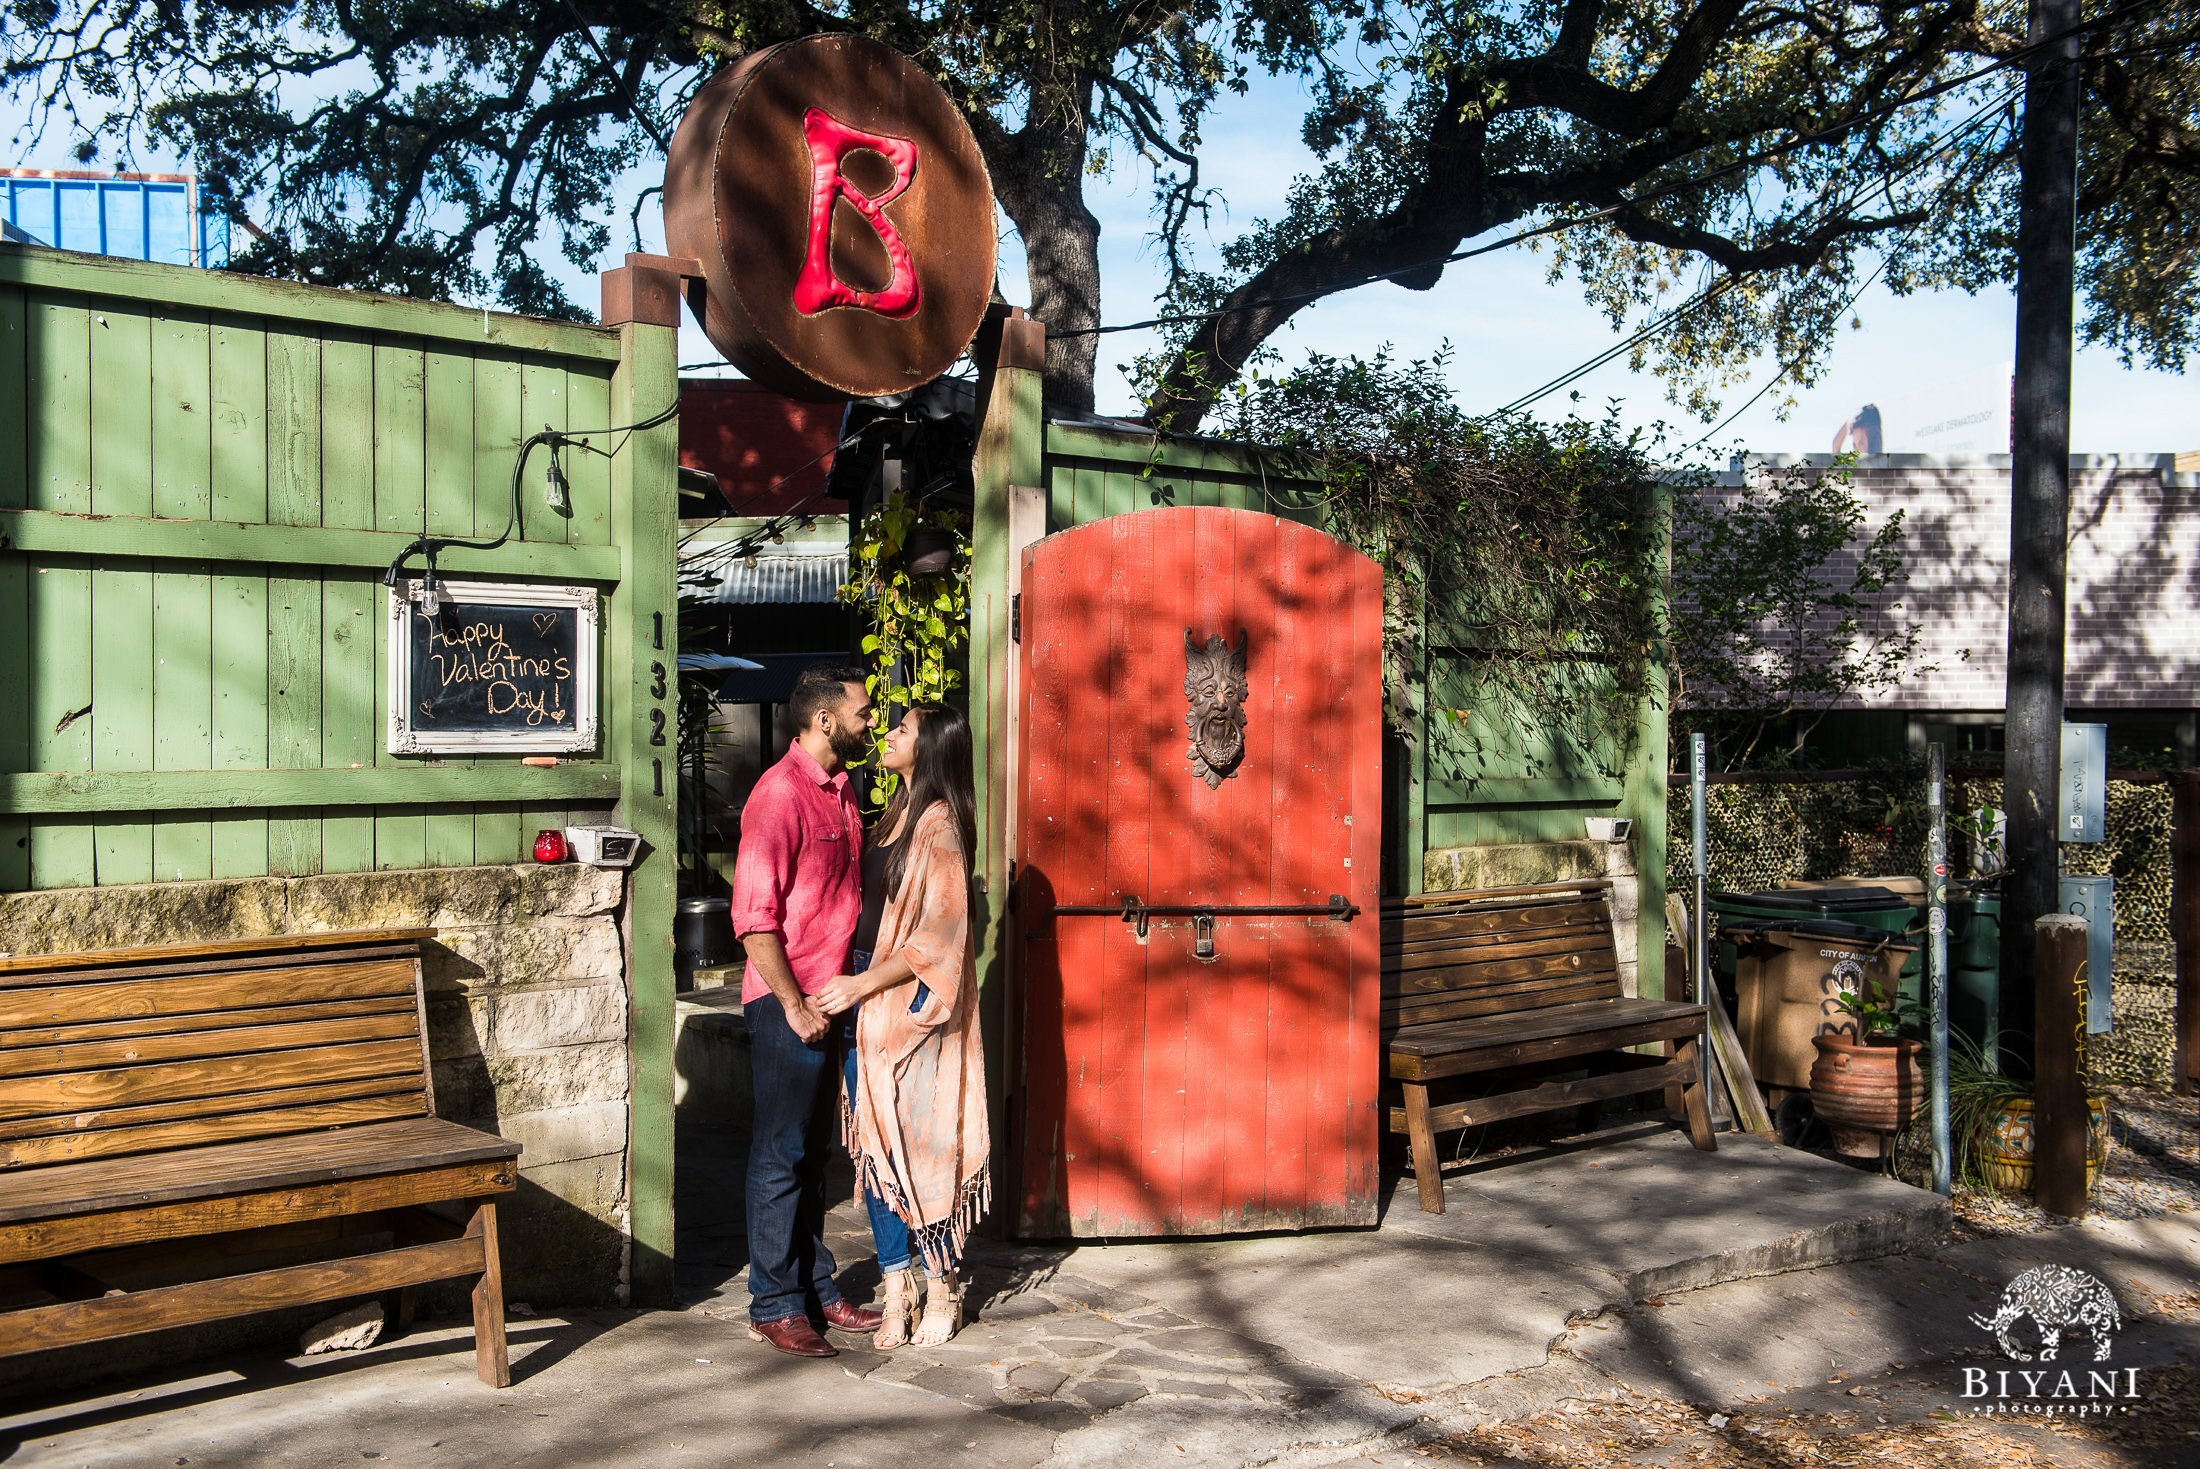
(1865, 1091)
(2007, 1156)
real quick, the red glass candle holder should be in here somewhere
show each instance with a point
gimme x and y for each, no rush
(550, 846)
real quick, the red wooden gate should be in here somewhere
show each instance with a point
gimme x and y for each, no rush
(1165, 1091)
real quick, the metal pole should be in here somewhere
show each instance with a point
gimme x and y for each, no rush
(1706, 992)
(1936, 954)
(2039, 500)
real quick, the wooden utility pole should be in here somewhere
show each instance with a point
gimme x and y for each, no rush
(2039, 502)
(2059, 1118)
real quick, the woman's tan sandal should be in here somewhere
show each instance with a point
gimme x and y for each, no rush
(943, 1310)
(899, 1306)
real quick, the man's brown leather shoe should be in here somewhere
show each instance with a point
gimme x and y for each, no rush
(793, 1335)
(848, 1316)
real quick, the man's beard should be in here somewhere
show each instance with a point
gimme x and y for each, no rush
(851, 742)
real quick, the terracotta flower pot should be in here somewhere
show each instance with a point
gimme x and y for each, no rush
(1865, 1090)
(2007, 1159)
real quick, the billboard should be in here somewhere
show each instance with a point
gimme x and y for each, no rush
(143, 216)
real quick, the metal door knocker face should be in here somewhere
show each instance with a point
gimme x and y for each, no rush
(1215, 688)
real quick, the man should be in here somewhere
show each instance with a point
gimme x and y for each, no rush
(797, 896)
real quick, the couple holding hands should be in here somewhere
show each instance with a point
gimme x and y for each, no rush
(861, 1001)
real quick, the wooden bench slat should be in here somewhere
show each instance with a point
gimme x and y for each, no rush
(68, 1189)
(1649, 1074)
(228, 964)
(212, 1300)
(179, 1080)
(58, 1004)
(251, 1101)
(1396, 1020)
(1436, 953)
(100, 1030)
(200, 1044)
(1470, 926)
(225, 1213)
(301, 944)
(1513, 1054)
(1523, 983)
(192, 1132)
(1585, 1017)
(1485, 895)
(1481, 976)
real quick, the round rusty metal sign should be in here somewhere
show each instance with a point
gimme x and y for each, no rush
(843, 216)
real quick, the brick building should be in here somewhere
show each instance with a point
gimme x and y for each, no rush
(2134, 602)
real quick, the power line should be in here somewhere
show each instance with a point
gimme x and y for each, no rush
(1942, 143)
(1755, 160)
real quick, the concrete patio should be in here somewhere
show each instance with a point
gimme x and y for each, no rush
(1232, 1350)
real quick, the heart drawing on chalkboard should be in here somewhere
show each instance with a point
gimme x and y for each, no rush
(544, 621)
(558, 715)
(427, 710)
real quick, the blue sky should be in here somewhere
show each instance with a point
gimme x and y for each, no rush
(1510, 330)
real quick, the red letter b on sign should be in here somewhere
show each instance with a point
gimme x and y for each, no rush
(817, 288)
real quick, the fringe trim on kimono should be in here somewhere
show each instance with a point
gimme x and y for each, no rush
(940, 1243)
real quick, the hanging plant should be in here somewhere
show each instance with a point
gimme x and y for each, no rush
(919, 605)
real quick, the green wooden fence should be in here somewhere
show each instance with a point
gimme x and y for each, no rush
(202, 478)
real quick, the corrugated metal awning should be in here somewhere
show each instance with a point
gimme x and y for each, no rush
(786, 574)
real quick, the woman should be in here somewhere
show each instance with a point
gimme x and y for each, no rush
(916, 1114)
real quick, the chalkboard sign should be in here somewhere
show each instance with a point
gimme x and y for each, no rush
(494, 667)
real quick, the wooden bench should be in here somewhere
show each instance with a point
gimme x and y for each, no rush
(188, 1108)
(1498, 986)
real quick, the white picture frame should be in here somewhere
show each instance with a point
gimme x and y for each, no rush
(406, 736)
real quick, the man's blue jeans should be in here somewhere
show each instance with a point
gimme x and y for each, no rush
(797, 1106)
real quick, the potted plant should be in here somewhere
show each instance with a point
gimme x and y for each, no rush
(1990, 1120)
(1866, 1085)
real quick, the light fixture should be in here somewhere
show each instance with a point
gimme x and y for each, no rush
(554, 490)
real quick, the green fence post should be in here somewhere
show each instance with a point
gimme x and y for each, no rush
(643, 300)
(1010, 451)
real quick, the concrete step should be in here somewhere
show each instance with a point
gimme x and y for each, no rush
(1641, 1203)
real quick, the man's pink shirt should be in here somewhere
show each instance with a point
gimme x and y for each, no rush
(799, 872)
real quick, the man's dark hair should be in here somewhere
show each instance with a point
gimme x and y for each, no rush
(821, 686)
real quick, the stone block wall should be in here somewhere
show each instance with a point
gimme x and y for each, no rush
(527, 1021)
(1524, 864)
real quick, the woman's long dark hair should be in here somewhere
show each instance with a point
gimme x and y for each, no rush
(943, 773)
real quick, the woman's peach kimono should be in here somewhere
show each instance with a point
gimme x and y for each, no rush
(917, 1124)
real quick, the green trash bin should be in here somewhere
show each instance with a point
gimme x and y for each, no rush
(1974, 966)
(1871, 907)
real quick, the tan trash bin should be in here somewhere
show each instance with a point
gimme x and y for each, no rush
(1789, 979)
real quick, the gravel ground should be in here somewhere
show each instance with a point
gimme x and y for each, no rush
(2153, 1169)
(1589, 1434)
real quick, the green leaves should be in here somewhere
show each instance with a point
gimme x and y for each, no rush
(917, 621)
(1769, 629)
(1524, 551)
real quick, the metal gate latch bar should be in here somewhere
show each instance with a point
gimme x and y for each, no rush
(1135, 913)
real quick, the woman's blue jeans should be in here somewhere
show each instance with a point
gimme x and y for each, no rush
(888, 1234)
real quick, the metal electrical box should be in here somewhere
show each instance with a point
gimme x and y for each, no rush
(2082, 812)
(2094, 900)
